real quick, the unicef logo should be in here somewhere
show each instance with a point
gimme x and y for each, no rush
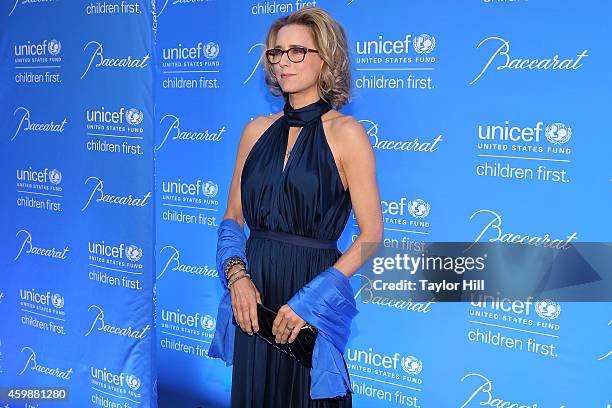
(207, 322)
(54, 47)
(133, 253)
(424, 43)
(134, 116)
(133, 382)
(210, 189)
(547, 309)
(412, 365)
(57, 300)
(55, 176)
(211, 50)
(558, 133)
(418, 208)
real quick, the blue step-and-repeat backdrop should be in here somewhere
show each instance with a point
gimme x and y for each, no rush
(77, 223)
(121, 121)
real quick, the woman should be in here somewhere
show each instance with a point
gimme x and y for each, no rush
(291, 184)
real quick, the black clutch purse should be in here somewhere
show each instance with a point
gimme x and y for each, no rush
(300, 349)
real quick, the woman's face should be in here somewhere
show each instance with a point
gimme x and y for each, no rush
(296, 76)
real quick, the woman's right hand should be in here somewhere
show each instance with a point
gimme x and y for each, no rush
(245, 297)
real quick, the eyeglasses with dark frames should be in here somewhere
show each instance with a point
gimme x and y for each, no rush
(295, 54)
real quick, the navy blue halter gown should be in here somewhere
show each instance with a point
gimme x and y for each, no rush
(294, 216)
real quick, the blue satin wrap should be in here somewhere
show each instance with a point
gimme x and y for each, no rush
(231, 241)
(327, 302)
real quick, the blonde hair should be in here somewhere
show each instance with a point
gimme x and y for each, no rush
(334, 80)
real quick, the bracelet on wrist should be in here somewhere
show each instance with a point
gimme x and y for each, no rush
(246, 275)
(233, 260)
(235, 272)
(233, 278)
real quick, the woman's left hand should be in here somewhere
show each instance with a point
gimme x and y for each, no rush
(287, 319)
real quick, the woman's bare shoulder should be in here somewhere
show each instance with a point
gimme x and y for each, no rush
(256, 127)
(341, 122)
(342, 129)
(272, 118)
(260, 124)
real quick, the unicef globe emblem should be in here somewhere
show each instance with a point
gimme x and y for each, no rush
(55, 176)
(57, 300)
(547, 309)
(558, 133)
(134, 116)
(424, 43)
(210, 189)
(211, 50)
(133, 253)
(418, 208)
(133, 382)
(412, 365)
(54, 47)
(207, 322)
